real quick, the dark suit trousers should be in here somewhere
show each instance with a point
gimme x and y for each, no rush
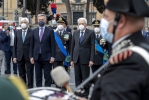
(82, 72)
(25, 67)
(46, 67)
(8, 56)
(95, 67)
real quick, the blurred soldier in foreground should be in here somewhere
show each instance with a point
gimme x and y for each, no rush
(127, 77)
(12, 88)
(101, 47)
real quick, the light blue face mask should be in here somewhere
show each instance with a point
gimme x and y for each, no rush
(104, 30)
(54, 22)
(11, 27)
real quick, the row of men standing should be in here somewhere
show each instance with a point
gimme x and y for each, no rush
(41, 47)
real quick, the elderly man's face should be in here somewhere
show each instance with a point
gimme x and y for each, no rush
(82, 22)
(25, 22)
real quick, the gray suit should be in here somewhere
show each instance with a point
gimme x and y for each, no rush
(81, 54)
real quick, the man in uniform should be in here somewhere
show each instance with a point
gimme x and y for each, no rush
(63, 45)
(101, 47)
(127, 76)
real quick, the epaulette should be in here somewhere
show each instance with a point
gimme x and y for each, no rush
(127, 52)
(120, 56)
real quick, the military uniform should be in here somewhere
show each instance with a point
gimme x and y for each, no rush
(99, 57)
(60, 57)
(127, 76)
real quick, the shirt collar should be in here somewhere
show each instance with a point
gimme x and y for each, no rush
(83, 31)
(25, 30)
(42, 27)
(61, 31)
(118, 41)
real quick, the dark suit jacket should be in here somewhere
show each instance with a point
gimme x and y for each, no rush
(99, 56)
(84, 51)
(68, 29)
(21, 49)
(59, 55)
(47, 44)
(127, 80)
(3, 38)
(7, 41)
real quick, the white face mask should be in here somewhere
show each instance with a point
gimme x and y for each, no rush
(96, 30)
(23, 25)
(81, 27)
(104, 30)
(60, 27)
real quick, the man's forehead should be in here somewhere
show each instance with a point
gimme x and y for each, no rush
(10, 23)
(81, 21)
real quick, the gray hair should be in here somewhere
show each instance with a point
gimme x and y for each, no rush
(24, 18)
(82, 19)
(42, 15)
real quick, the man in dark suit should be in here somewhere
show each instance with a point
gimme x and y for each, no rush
(65, 39)
(82, 52)
(8, 48)
(67, 27)
(102, 49)
(42, 51)
(21, 52)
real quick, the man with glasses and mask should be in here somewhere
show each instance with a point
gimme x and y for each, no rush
(82, 52)
(42, 51)
(8, 48)
(127, 76)
(21, 52)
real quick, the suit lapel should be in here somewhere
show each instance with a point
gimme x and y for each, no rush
(37, 36)
(20, 36)
(27, 35)
(44, 34)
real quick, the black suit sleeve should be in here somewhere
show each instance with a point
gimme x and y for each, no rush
(53, 44)
(70, 39)
(31, 45)
(92, 43)
(5, 36)
(15, 46)
(72, 46)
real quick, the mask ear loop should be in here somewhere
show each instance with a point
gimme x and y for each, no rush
(116, 20)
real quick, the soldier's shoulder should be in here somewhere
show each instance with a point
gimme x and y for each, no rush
(126, 53)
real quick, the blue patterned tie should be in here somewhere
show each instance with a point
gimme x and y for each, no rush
(23, 36)
(81, 37)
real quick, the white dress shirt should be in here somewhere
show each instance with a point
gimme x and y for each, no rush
(12, 37)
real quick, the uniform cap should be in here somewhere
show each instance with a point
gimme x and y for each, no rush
(136, 8)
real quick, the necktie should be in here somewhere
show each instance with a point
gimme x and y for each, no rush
(23, 36)
(41, 33)
(97, 36)
(81, 37)
(60, 33)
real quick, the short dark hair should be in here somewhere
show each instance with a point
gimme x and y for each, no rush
(3, 25)
(75, 28)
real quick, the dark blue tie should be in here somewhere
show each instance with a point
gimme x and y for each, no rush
(81, 37)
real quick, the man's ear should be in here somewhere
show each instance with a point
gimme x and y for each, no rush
(122, 21)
